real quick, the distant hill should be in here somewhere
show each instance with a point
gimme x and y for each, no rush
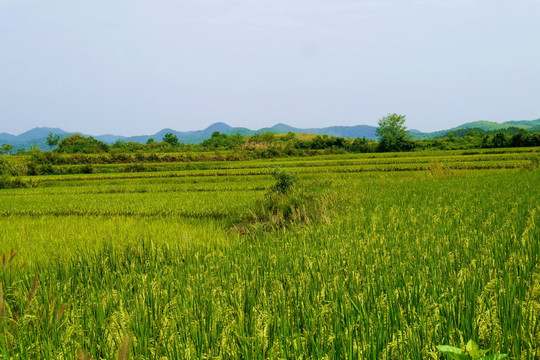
(192, 137)
(534, 129)
(523, 123)
(35, 133)
(342, 131)
(529, 125)
(38, 136)
(39, 133)
(5, 137)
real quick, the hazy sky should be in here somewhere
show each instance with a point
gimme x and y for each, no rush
(135, 67)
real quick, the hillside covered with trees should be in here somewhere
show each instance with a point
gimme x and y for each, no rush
(392, 136)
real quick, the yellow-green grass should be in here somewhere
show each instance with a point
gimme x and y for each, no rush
(299, 136)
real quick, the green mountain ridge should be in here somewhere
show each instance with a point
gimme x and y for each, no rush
(529, 125)
(38, 136)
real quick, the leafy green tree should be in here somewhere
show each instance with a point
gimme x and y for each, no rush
(223, 141)
(362, 145)
(171, 139)
(6, 149)
(393, 134)
(34, 149)
(53, 139)
(118, 144)
(500, 140)
(522, 138)
(150, 141)
(267, 136)
(77, 143)
(289, 136)
(319, 142)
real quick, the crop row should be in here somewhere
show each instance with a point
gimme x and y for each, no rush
(121, 158)
(173, 170)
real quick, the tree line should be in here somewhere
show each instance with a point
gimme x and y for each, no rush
(392, 136)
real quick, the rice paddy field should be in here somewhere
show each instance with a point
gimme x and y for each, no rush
(414, 250)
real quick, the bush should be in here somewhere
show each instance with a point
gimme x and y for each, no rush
(137, 168)
(77, 143)
(10, 169)
(285, 181)
(286, 205)
(4, 168)
(47, 169)
(46, 158)
(32, 168)
(87, 169)
(9, 182)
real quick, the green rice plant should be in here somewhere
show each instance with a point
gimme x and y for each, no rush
(402, 263)
(534, 162)
(18, 307)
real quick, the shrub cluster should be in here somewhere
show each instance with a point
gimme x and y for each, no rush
(285, 205)
(11, 182)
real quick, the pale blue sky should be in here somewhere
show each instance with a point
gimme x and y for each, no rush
(135, 67)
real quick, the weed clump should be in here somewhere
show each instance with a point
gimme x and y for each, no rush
(534, 163)
(286, 205)
(285, 181)
(439, 171)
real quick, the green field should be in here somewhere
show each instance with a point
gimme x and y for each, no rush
(414, 250)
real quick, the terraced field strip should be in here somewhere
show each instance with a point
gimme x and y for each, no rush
(192, 204)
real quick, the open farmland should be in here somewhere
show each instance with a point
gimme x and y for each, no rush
(418, 249)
